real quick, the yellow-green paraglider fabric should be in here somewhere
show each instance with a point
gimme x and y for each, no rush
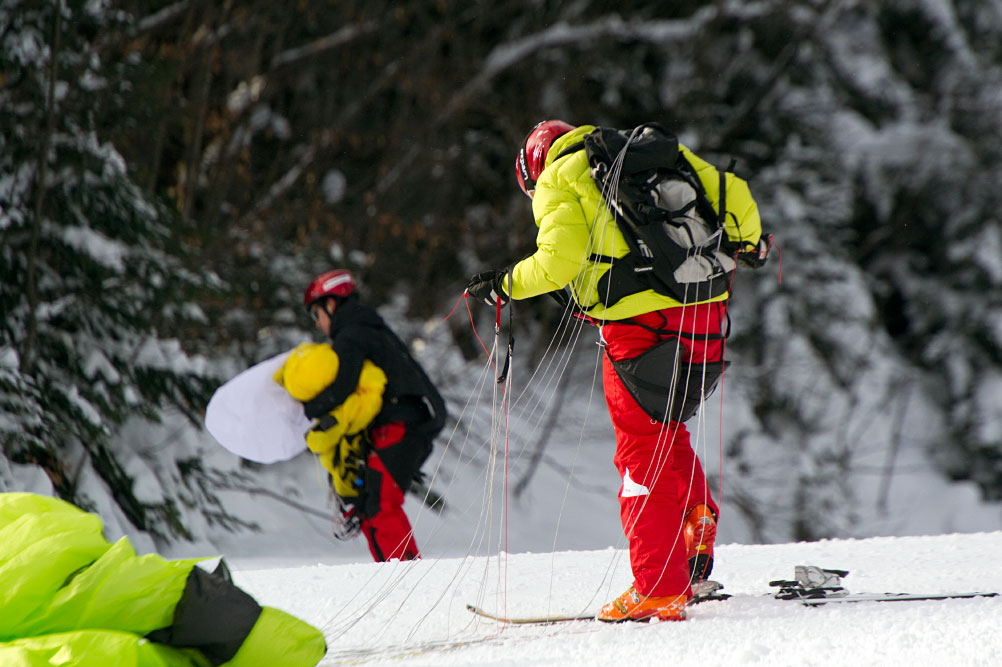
(69, 597)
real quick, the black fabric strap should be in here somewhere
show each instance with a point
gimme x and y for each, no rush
(560, 296)
(573, 148)
(349, 369)
(722, 204)
(377, 552)
(212, 616)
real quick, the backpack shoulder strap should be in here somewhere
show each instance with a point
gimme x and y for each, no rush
(722, 212)
(573, 148)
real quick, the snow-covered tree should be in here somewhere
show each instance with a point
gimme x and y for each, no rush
(95, 292)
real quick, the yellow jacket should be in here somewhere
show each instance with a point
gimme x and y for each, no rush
(574, 223)
(310, 368)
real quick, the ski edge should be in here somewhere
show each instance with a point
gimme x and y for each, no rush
(528, 620)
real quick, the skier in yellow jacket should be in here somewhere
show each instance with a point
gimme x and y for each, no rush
(650, 339)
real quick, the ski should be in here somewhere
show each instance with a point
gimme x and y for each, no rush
(528, 620)
(848, 597)
(813, 587)
(895, 597)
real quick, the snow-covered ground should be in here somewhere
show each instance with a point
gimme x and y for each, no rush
(415, 613)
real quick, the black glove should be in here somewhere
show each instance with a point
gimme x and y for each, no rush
(487, 286)
(757, 257)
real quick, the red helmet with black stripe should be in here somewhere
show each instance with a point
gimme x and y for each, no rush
(532, 157)
(336, 283)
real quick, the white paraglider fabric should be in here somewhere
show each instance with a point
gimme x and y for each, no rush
(254, 417)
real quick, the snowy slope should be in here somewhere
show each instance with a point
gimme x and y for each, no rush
(414, 613)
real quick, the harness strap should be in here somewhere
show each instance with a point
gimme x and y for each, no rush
(722, 205)
(573, 148)
(662, 331)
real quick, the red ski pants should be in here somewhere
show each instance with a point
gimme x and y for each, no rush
(388, 531)
(662, 477)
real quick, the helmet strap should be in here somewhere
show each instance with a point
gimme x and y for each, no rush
(523, 170)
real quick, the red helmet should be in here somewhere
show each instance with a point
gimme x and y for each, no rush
(336, 283)
(532, 158)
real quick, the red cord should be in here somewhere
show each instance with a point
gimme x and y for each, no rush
(779, 253)
(504, 407)
(461, 297)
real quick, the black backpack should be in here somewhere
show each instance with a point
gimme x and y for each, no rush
(678, 246)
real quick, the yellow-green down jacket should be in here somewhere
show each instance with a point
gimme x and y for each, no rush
(574, 223)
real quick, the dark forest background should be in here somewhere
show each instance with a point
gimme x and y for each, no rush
(173, 173)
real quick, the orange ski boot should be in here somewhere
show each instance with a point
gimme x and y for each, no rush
(700, 528)
(632, 606)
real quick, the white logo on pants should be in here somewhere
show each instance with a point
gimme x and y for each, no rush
(631, 489)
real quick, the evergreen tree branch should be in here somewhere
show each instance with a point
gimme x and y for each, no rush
(316, 47)
(31, 288)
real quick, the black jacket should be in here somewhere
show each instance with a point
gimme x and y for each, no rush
(358, 333)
